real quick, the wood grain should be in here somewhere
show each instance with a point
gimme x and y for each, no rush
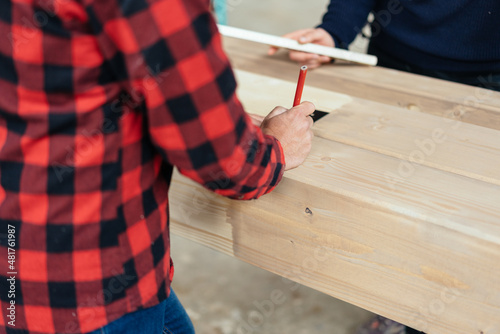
(412, 136)
(415, 241)
(432, 96)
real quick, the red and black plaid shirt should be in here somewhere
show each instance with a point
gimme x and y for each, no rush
(99, 99)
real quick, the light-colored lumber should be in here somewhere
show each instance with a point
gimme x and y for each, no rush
(419, 245)
(432, 96)
(422, 256)
(414, 137)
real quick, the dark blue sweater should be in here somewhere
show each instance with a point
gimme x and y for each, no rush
(455, 35)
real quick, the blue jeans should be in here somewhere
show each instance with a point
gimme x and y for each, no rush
(168, 317)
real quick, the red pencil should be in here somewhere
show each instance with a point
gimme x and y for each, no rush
(300, 86)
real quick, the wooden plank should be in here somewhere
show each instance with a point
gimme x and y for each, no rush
(420, 247)
(432, 96)
(423, 255)
(254, 93)
(414, 137)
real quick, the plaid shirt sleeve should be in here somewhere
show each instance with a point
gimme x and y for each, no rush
(169, 55)
(99, 100)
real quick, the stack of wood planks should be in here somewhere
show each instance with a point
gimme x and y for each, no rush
(397, 208)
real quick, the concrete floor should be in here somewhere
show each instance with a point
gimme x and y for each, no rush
(223, 295)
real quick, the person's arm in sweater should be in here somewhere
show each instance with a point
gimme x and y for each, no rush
(341, 23)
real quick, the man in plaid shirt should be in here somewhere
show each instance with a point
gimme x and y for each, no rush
(99, 100)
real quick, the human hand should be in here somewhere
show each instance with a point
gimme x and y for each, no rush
(317, 36)
(292, 127)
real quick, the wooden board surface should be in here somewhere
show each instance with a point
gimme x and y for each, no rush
(455, 101)
(410, 135)
(396, 210)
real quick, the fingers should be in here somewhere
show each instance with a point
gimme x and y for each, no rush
(309, 59)
(296, 35)
(306, 108)
(311, 122)
(324, 59)
(311, 36)
(277, 111)
(315, 63)
(272, 50)
(317, 36)
(293, 129)
(303, 57)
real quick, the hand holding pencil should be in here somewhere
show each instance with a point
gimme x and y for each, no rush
(292, 127)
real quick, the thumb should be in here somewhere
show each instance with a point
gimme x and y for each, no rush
(305, 108)
(311, 36)
(276, 111)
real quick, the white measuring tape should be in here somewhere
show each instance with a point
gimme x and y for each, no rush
(291, 44)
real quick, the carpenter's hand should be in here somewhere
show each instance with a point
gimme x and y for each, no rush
(316, 36)
(292, 127)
